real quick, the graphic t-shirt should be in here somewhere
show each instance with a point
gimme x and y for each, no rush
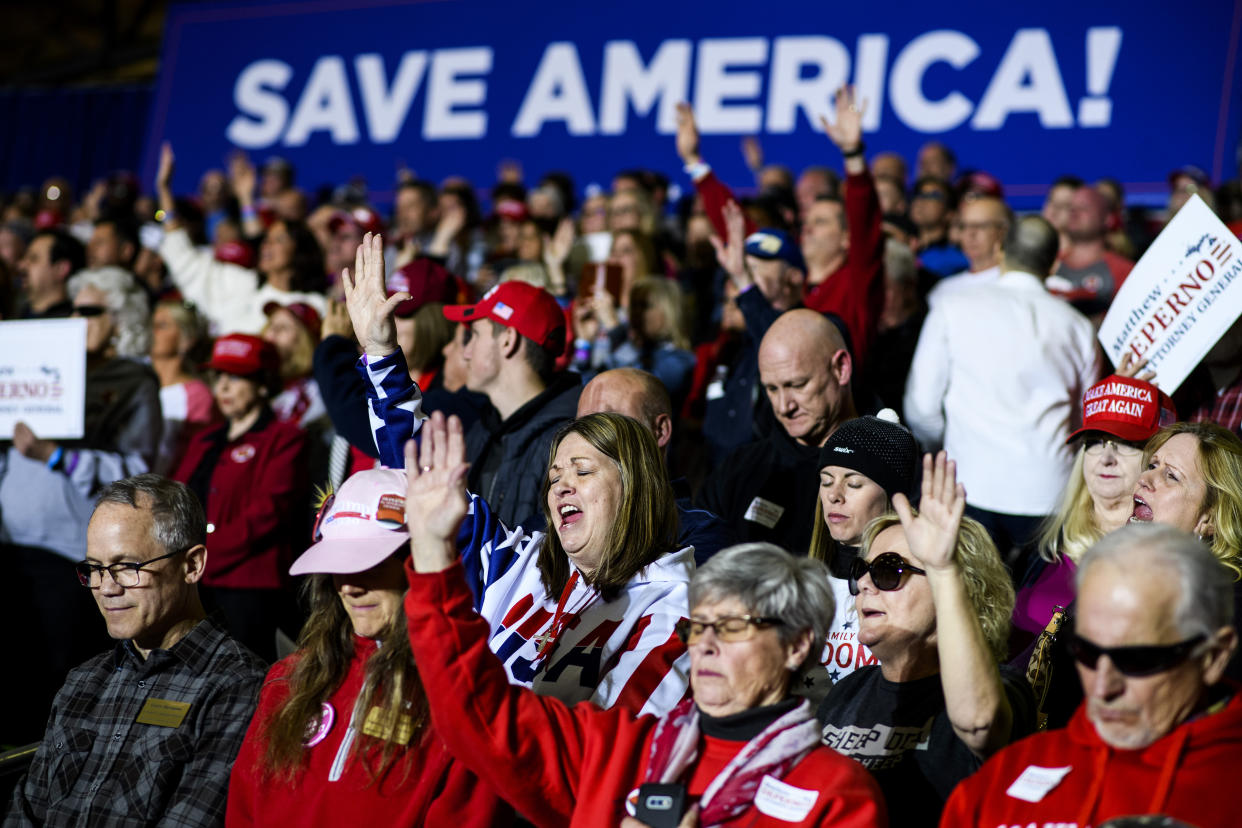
(902, 734)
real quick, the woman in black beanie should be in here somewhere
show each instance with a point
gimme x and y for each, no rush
(864, 463)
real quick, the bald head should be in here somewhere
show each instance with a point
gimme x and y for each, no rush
(1032, 246)
(805, 370)
(635, 394)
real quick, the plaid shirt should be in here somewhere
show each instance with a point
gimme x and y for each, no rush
(97, 766)
(1224, 409)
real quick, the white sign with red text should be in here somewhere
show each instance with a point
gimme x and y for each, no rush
(43, 377)
(1180, 298)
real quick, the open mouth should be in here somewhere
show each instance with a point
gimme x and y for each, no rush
(569, 514)
(1142, 512)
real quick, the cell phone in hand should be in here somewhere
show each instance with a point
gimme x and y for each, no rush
(660, 806)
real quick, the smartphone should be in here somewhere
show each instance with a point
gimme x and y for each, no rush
(660, 806)
(597, 276)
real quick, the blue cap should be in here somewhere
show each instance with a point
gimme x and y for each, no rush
(775, 244)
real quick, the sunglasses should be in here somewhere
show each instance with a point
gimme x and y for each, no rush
(885, 570)
(1143, 660)
(89, 310)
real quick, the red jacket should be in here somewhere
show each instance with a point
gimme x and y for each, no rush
(255, 506)
(854, 291)
(428, 789)
(1188, 775)
(561, 765)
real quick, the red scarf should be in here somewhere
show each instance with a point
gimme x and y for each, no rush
(781, 745)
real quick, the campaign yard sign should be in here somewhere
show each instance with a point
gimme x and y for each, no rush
(43, 377)
(1180, 298)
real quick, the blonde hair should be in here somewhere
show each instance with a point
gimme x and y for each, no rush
(665, 295)
(987, 583)
(1220, 459)
(1071, 529)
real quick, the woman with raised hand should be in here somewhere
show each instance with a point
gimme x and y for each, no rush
(342, 734)
(933, 602)
(742, 751)
(586, 611)
(290, 268)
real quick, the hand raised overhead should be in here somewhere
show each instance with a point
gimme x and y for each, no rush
(435, 500)
(932, 534)
(366, 297)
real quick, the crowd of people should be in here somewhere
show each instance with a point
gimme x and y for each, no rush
(813, 501)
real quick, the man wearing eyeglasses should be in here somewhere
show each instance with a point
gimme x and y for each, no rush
(1159, 730)
(148, 731)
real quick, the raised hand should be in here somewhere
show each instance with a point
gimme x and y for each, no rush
(846, 131)
(752, 151)
(163, 177)
(336, 321)
(242, 177)
(731, 253)
(687, 135)
(1127, 367)
(932, 535)
(435, 500)
(557, 246)
(29, 445)
(366, 297)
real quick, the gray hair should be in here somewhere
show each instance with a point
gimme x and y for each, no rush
(126, 301)
(770, 582)
(178, 521)
(1205, 599)
(899, 263)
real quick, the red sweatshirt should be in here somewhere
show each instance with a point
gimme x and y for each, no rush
(855, 290)
(436, 791)
(1188, 775)
(561, 765)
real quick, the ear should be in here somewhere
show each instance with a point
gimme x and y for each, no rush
(842, 367)
(510, 342)
(663, 430)
(195, 563)
(63, 270)
(799, 650)
(1204, 527)
(1217, 658)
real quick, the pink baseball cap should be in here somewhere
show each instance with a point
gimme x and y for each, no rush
(358, 526)
(1128, 408)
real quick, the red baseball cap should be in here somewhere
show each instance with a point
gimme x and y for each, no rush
(235, 252)
(304, 313)
(530, 310)
(1128, 408)
(512, 210)
(362, 217)
(243, 355)
(426, 280)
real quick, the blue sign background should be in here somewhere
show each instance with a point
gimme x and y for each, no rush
(1172, 91)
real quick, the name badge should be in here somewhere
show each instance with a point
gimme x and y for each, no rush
(764, 512)
(382, 723)
(1035, 782)
(783, 801)
(163, 713)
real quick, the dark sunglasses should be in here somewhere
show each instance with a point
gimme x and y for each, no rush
(886, 571)
(1143, 660)
(89, 310)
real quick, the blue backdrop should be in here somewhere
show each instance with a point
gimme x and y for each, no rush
(1026, 92)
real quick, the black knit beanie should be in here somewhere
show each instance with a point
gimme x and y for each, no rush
(883, 451)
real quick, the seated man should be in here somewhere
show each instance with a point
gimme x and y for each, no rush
(147, 732)
(1158, 731)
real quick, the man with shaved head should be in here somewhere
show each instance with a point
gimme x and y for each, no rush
(642, 396)
(996, 380)
(767, 490)
(1089, 274)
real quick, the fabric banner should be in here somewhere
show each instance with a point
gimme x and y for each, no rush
(364, 87)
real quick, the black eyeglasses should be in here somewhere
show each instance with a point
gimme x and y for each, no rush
(89, 310)
(886, 571)
(1143, 660)
(125, 574)
(729, 628)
